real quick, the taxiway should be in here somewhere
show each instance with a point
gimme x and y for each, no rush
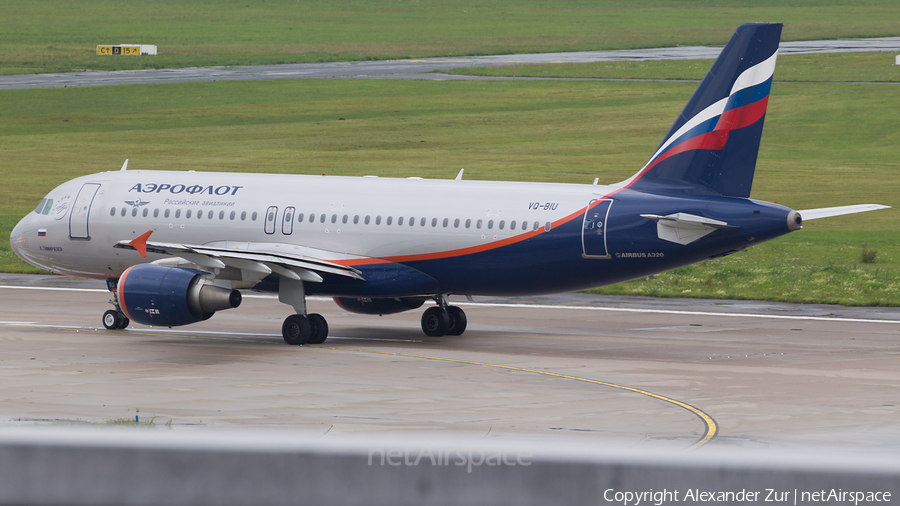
(632, 370)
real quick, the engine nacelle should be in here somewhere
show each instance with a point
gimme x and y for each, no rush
(380, 306)
(171, 296)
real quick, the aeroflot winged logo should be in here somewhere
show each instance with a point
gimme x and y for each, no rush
(136, 203)
(180, 188)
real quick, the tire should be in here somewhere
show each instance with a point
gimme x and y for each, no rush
(123, 322)
(296, 330)
(457, 321)
(318, 329)
(435, 321)
(111, 320)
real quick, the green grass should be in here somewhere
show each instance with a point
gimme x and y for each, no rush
(838, 67)
(810, 266)
(58, 35)
(824, 145)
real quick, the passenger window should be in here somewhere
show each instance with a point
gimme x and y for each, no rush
(210, 214)
(178, 213)
(433, 222)
(412, 221)
(378, 220)
(345, 218)
(322, 218)
(231, 217)
(134, 211)
(501, 224)
(221, 215)
(422, 222)
(400, 221)
(312, 217)
(468, 223)
(446, 222)
(490, 223)
(112, 212)
(512, 225)
(389, 219)
(253, 216)
(243, 215)
(156, 213)
(300, 218)
(123, 211)
(478, 223)
(200, 214)
(356, 219)
(334, 218)
(537, 225)
(166, 213)
(456, 223)
(367, 220)
(547, 227)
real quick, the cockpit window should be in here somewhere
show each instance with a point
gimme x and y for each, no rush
(48, 206)
(40, 207)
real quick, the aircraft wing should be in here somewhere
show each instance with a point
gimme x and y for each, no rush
(827, 212)
(256, 260)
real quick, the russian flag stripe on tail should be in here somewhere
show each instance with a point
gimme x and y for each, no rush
(713, 144)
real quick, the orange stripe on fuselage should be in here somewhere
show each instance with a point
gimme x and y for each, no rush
(464, 251)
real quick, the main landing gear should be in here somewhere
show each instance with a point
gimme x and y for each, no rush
(300, 328)
(443, 319)
(305, 329)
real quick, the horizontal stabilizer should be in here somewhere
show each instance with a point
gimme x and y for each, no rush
(683, 228)
(827, 212)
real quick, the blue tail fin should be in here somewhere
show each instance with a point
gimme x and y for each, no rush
(713, 144)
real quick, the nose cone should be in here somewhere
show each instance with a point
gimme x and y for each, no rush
(18, 238)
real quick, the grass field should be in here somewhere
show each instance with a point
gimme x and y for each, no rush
(58, 35)
(824, 145)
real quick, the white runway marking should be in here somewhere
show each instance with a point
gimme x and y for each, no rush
(159, 330)
(548, 306)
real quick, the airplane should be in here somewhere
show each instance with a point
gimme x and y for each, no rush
(176, 247)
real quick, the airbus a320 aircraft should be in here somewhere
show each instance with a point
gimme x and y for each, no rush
(175, 247)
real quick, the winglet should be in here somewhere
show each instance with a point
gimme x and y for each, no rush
(140, 243)
(124, 165)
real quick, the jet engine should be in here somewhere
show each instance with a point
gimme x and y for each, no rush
(379, 306)
(171, 296)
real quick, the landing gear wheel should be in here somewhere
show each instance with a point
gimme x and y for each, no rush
(435, 321)
(296, 329)
(457, 321)
(111, 320)
(318, 328)
(123, 322)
